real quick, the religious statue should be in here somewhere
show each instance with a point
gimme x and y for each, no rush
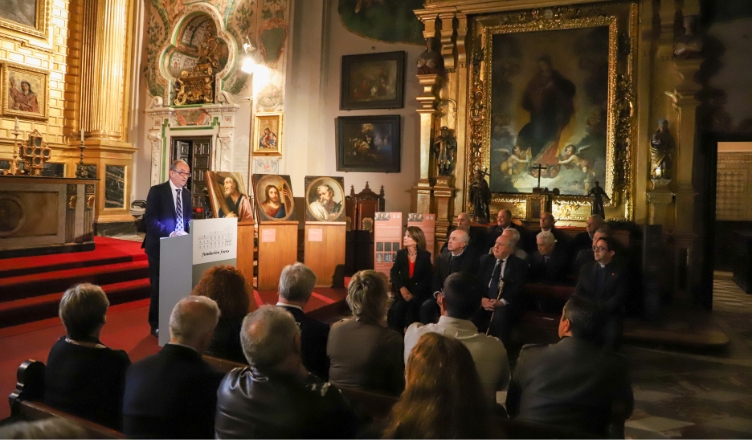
(690, 44)
(429, 61)
(598, 194)
(662, 148)
(480, 194)
(444, 149)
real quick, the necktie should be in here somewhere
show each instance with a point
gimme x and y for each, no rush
(179, 212)
(493, 285)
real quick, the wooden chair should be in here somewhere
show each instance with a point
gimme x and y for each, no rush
(26, 402)
(361, 208)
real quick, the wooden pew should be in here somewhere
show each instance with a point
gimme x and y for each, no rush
(26, 402)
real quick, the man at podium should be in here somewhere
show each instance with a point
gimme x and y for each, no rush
(168, 213)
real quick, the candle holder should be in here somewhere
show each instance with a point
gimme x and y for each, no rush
(81, 171)
(16, 148)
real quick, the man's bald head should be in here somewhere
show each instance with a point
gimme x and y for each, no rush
(458, 239)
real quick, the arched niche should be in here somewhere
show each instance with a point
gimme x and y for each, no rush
(200, 31)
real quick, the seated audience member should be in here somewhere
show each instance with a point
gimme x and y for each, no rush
(458, 259)
(574, 383)
(276, 397)
(507, 311)
(83, 377)
(514, 241)
(411, 277)
(548, 224)
(459, 303)
(173, 394)
(550, 263)
(364, 353)
(603, 281)
(228, 288)
(586, 255)
(584, 240)
(52, 427)
(296, 283)
(476, 235)
(443, 397)
(503, 224)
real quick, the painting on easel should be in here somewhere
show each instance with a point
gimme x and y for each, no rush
(273, 195)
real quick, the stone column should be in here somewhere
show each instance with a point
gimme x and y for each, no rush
(428, 100)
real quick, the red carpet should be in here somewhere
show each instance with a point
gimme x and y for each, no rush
(31, 287)
(126, 329)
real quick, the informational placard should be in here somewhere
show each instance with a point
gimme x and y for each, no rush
(268, 235)
(215, 240)
(427, 224)
(387, 237)
(315, 234)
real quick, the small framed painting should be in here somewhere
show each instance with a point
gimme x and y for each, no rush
(267, 132)
(24, 91)
(368, 143)
(374, 80)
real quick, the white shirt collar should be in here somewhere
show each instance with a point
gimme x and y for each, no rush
(281, 304)
(172, 185)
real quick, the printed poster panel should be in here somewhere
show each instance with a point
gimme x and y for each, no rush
(214, 240)
(427, 224)
(387, 237)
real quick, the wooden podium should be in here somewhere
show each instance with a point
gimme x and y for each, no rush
(278, 247)
(245, 250)
(324, 249)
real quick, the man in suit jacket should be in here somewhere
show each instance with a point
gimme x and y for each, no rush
(296, 284)
(500, 266)
(548, 224)
(550, 264)
(476, 234)
(458, 259)
(504, 222)
(584, 240)
(601, 280)
(164, 219)
(574, 383)
(173, 394)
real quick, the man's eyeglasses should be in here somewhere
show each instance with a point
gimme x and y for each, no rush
(182, 173)
(600, 249)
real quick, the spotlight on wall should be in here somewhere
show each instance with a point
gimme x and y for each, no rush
(249, 64)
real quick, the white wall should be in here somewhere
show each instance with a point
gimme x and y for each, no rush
(319, 40)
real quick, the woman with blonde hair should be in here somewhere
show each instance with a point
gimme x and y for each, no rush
(364, 353)
(411, 277)
(228, 288)
(443, 397)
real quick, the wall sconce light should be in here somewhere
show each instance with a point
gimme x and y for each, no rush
(249, 64)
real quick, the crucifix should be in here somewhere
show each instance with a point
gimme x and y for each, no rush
(539, 167)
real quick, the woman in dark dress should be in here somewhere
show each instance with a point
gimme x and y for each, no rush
(83, 376)
(227, 286)
(411, 276)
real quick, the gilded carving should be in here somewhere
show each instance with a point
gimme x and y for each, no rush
(72, 202)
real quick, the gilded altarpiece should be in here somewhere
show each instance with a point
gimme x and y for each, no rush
(551, 105)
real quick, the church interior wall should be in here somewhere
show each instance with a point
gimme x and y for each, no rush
(313, 104)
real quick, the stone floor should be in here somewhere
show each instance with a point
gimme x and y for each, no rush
(691, 394)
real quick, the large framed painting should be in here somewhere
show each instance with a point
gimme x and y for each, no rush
(274, 199)
(267, 129)
(374, 80)
(552, 103)
(228, 196)
(368, 143)
(29, 17)
(325, 199)
(24, 91)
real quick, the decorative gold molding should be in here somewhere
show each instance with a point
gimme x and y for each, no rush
(42, 22)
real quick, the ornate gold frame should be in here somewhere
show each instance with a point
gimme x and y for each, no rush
(621, 18)
(42, 95)
(257, 130)
(41, 28)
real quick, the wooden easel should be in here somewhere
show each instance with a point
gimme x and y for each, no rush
(324, 249)
(244, 262)
(278, 247)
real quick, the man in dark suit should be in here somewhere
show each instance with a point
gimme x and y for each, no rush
(574, 383)
(550, 264)
(584, 240)
(501, 266)
(477, 235)
(173, 394)
(601, 280)
(458, 259)
(504, 222)
(295, 287)
(168, 213)
(548, 224)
